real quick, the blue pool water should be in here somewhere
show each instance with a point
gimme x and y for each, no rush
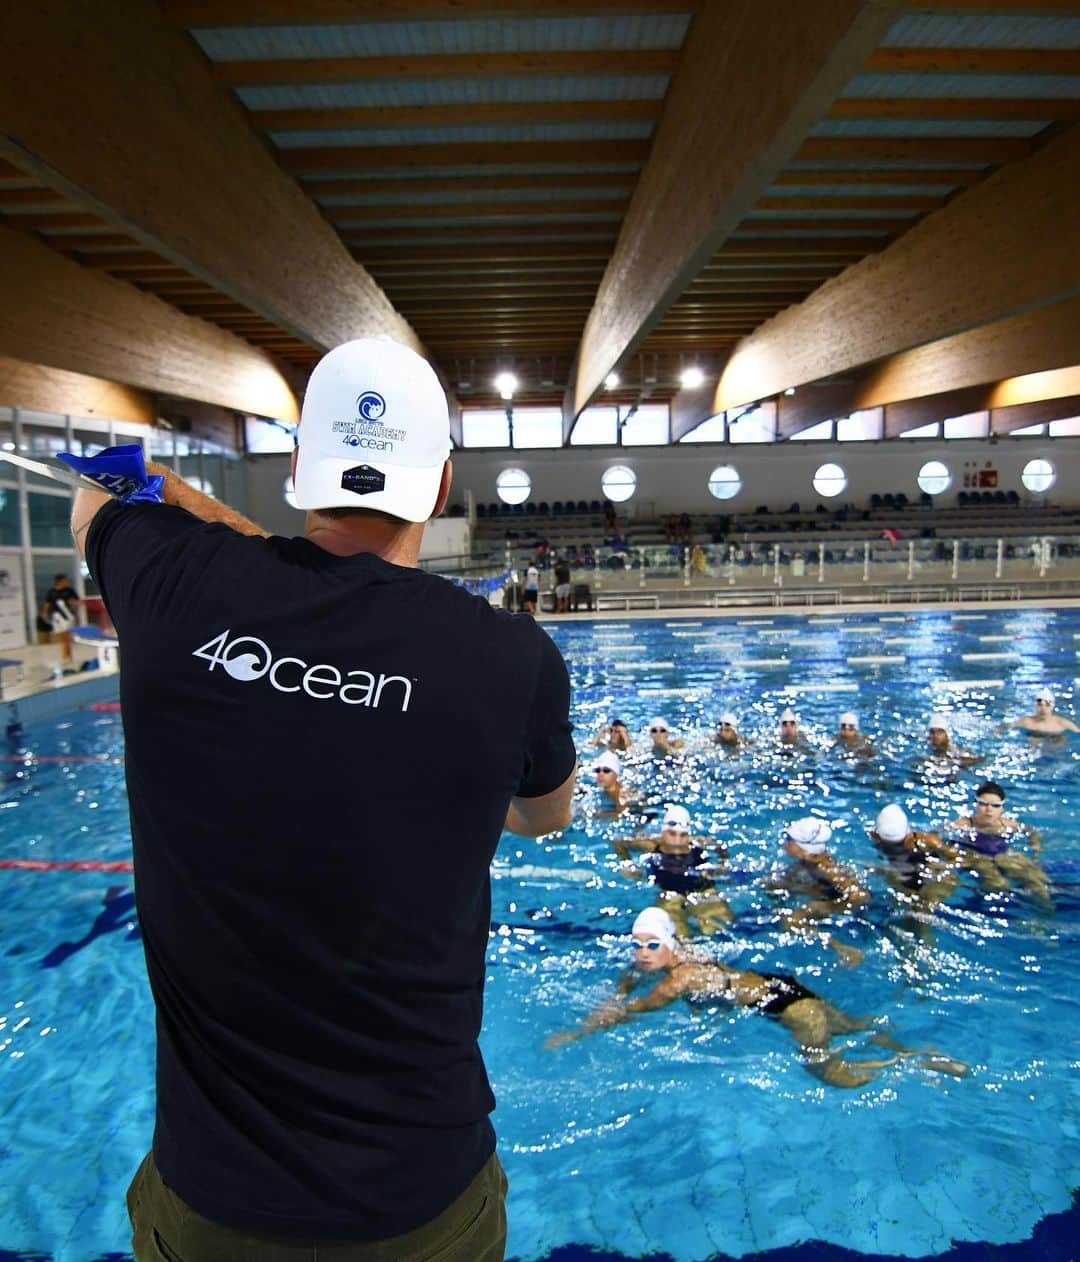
(686, 1134)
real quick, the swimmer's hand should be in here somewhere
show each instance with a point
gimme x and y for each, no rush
(560, 1039)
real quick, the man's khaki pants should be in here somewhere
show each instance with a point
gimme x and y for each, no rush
(165, 1229)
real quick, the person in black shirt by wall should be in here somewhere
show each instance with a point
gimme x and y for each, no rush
(318, 1008)
(562, 586)
(58, 613)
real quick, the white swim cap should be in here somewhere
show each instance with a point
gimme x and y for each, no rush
(677, 817)
(849, 719)
(810, 834)
(789, 716)
(606, 761)
(891, 823)
(728, 719)
(654, 922)
(939, 720)
(658, 723)
(1044, 694)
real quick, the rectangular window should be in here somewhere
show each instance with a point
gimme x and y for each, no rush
(649, 426)
(814, 433)
(712, 430)
(260, 437)
(596, 427)
(1066, 428)
(537, 427)
(973, 425)
(50, 518)
(933, 430)
(865, 426)
(485, 427)
(756, 426)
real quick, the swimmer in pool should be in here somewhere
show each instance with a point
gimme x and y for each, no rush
(679, 867)
(826, 887)
(727, 733)
(985, 838)
(615, 737)
(663, 743)
(850, 742)
(942, 749)
(790, 738)
(1044, 722)
(809, 1019)
(921, 867)
(612, 798)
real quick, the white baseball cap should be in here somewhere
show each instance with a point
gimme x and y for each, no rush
(810, 834)
(606, 762)
(374, 431)
(677, 817)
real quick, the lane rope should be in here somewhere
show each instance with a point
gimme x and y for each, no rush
(69, 865)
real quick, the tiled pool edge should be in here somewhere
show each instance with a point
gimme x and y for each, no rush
(51, 702)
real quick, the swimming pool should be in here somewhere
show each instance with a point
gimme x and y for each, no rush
(689, 1133)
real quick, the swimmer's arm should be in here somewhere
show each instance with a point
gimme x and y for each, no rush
(623, 845)
(1070, 726)
(535, 817)
(852, 891)
(602, 737)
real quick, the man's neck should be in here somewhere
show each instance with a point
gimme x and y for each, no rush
(393, 541)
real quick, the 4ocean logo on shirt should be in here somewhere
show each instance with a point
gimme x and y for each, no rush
(248, 659)
(366, 429)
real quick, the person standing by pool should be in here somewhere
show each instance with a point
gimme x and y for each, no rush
(1044, 722)
(530, 597)
(318, 1072)
(985, 838)
(680, 869)
(58, 610)
(823, 887)
(809, 1019)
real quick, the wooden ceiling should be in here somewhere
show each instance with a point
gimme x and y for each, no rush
(509, 172)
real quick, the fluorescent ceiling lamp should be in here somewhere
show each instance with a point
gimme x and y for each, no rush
(611, 381)
(506, 383)
(692, 378)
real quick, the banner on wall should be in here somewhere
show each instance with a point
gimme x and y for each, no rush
(12, 611)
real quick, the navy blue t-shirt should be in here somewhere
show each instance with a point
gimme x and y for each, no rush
(321, 751)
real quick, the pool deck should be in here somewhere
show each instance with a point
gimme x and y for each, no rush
(39, 695)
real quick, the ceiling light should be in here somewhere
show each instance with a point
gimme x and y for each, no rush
(692, 378)
(506, 383)
(611, 381)
(790, 391)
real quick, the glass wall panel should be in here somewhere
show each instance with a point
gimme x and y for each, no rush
(10, 535)
(596, 427)
(650, 426)
(484, 427)
(50, 520)
(537, 427)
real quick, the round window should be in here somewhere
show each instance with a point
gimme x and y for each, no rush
(513, 486)
(618, 483)
(289, 492)
(830, 480)
(725, 482)
(1038, 476)
(934, 477)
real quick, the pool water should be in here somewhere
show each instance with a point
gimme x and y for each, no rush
(689, 1133)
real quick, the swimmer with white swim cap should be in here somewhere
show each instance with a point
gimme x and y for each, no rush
(809, 1019)
(663, 743)
(727, 732)
(823, 887)
(942, 749)
(790, 738)
(849, 739)
(921, 866)
(1044, 722)
(612, 797)
(679, 867)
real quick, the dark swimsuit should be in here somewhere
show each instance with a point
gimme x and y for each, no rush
(783, 992)
(675, 873)
(984, 843)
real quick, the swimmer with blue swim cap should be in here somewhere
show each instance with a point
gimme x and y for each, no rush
(985, 840)
(809, 1019)
(679, 867)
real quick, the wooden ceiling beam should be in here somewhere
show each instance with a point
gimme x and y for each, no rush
(330, 119)
(910, 176)
(72, 74)
(1010, 61)
(66, 316)
(1002, 107)
(256, 71)
(1005, 245)
(350, 217)
(988, 149)
(218, 13)
(451, 185)
(350, 159)
(707, 178)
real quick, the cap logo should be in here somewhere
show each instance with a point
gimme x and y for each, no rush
(371, 406)
(362, 479)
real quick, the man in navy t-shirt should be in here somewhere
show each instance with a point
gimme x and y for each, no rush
(315, 932)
